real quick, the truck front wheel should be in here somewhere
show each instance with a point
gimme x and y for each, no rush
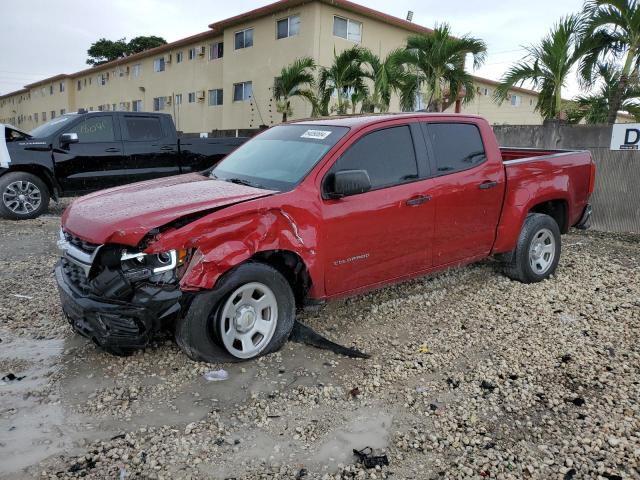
(538, 250)
(24, 196)
(250, 313)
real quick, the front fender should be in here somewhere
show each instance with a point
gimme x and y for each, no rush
(223, 244)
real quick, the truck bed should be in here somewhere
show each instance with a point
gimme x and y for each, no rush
(564, 178)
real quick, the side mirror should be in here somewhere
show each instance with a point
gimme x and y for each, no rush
(350, 182)
(67, 138)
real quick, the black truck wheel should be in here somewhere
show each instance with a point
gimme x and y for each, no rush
(538, 250)
(23, 196)
(250, 313)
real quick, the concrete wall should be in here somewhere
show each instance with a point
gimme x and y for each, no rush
(616, 200)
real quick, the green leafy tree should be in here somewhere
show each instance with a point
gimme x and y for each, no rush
(142, 43)
(389, 76)
(439, 62)
(345, 78)
(103, 50)
(295, 80)
(613, 29)
(594, 108)
(547, 66)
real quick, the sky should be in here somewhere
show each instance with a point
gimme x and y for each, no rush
(43, 38)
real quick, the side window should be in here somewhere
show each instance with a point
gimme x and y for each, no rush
(95, 128)
(456, 146)
(139, 128)
(387, 155)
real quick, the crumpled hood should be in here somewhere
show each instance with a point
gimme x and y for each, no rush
(124, 215)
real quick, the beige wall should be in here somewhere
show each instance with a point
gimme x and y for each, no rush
(259, 64)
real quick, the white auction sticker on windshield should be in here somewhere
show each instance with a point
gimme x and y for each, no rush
(317, 134)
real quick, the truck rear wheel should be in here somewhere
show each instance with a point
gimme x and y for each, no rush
(24, 196)
(250, 313)
(538, 250)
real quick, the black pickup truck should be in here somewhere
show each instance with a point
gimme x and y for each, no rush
(78, 153)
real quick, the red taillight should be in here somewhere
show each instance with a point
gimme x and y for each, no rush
(592, 178)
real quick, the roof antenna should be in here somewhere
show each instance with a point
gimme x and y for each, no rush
(409, 16)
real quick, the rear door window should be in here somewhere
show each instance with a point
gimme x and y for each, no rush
(387, 155)
(140, 128)
(456, 146)
(95, 129)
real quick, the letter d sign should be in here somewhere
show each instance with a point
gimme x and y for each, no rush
(625, 136)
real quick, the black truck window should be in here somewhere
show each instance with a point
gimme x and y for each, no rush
(456, 146)
(140, 129)
(387, 155)
(95, 128)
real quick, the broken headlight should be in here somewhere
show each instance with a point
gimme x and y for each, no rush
(138, 265)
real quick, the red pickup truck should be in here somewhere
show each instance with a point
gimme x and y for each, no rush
(306, 212)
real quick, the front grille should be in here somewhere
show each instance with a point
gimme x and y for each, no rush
(75, 275)
(81, 244)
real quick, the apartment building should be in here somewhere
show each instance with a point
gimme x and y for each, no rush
(222, 78)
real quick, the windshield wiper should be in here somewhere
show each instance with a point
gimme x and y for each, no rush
(242, 181)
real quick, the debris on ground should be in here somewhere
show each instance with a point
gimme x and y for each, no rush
(12, 377)
(303, 334)
(216, 375)
(369, 460)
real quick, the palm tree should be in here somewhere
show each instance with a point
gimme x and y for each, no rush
(389, 76)
(594, 108)
(295, 80)
(344, 78)
(439, 60)
(614, 27)
(547, 66)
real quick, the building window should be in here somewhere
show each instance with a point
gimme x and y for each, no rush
(179, 56)
(50, 89)
(216, 50)
(288, 27)
(136, 106)
(191, 97)
(244, 38)
(242, 91)
(178, 99)
(347, 28)
(35, 117)
(516, 100)
(158, 64)
(102, 78)
(215, 97)
(61, 87)
(192, 53)
(113, 107)
(53, 114)
(44, 116)
(79, 85)
(62, 111)
(158, 104)
(136, 70)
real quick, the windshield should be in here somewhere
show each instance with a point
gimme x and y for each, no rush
(279, 158)
(51, 126)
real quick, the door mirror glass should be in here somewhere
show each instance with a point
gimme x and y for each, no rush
(350, 182)
(67, 138)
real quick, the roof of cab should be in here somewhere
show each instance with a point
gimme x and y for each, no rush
(359, 121)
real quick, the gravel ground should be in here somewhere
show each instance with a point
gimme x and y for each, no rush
(472, 376)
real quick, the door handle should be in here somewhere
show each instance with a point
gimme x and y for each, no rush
(112, 149)
(488, 184)
(167, 147)
(419, 200)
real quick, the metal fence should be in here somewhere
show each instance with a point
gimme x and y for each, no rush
(616, 200)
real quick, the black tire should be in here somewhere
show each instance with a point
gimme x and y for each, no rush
(519, 267)
(197, 333)
(7, 180)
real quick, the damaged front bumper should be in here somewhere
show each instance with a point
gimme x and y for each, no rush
(113, 323)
